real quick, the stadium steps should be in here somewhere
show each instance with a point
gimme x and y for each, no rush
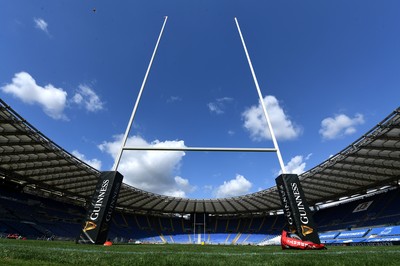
(183, 225)
(124, 219)
(227, 225)
(227, 239)
(236, 238)
(254, 224)
(238, 226)
(261, 225)
(163, 238)
(247, 237)
(250, 223)
(172, 225)
(274, 222)
(160, 224)
(137, 222)
(169, 239)
(148, 222)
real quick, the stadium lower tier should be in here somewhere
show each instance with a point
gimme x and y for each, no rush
(362, 236)
(35, 217)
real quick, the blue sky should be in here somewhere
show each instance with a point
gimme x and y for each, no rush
(329, 71)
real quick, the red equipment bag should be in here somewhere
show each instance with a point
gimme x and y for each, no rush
(294, 242)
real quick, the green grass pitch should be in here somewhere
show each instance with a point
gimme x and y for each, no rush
(32, 252)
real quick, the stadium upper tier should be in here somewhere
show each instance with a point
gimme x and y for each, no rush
(40, 166)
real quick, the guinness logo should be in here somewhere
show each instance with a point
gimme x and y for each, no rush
(306, 230)
(89, 226)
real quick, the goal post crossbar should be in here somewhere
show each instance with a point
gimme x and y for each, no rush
(206, 149)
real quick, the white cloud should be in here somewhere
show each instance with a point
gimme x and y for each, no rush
(173, 99)
(214, 108)
(234, 187)
(207, 188)
(182, 187)
(95, 163)
(41, 24)
(255, 121)
(87, 98)
(340, 125)
(296, 165)
(51, 99)
(152, 171)
(219, 105)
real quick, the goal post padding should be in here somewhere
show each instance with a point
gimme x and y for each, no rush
(296, 210)
(99, 213)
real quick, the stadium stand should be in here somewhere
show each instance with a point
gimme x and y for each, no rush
(364, 235)
(36, 217)
(369, 210)
(44, 191)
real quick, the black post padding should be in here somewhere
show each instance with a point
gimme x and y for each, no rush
(297, 212)
(287, 209)
(99, 214)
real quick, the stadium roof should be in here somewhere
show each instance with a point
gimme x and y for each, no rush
(29, 158)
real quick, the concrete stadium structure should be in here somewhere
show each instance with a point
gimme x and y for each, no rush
(41, 167)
